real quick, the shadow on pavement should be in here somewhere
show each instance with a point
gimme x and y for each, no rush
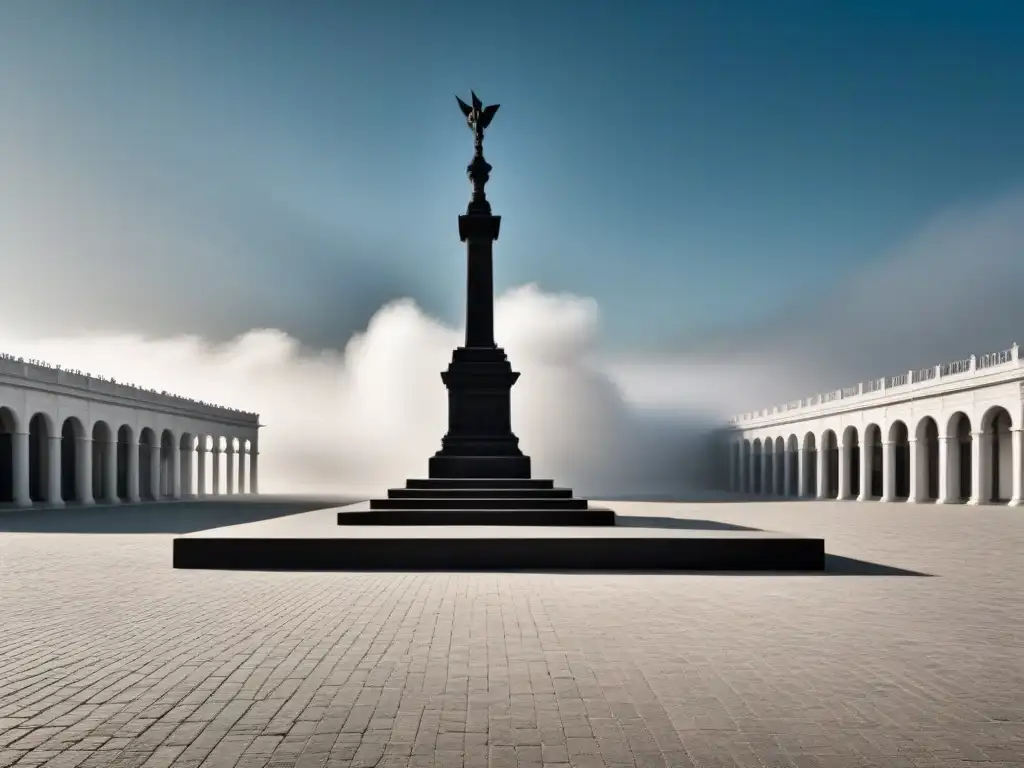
(638, 521)
(173, 517)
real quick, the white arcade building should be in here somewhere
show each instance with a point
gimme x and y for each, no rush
(951, 433)
(67, 436)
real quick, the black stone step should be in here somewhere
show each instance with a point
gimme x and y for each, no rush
(518, 517)
(477, 493)
(449, 502)
(478, 482)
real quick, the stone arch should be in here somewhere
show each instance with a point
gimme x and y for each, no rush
(125, 445)
(830, 478)
(758, 458)
(167, 466)
(103, 462)
(927, 435)
(850, 457)
(71, 434)
(8, 427)
(149, 477)
(810, 467)
(793, 451)
(899, 437)
(40, 429)
(959, 447)
(996, 475)
(871, 467)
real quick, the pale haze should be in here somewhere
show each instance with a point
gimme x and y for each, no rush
(703, 212)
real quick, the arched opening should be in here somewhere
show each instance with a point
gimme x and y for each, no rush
(148, 485)
(830, 481)
(8, 426)
(851, 460)
(70, 433)
(778, 479)
(997, 480)
(758, 458)
(873, 455)
(101, 469)
(927, 433)
(166, 472)
(187, 447)
(958, 457)
(769, 467)
(810, 467)
(899, 437)
(793, 449)
(125, 444)
(38, 456)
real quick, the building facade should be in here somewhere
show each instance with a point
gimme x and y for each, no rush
(950, 433)
(70, 437)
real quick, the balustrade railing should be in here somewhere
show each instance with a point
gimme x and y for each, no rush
(923, 376)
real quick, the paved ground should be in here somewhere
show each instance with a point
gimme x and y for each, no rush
(110, 657)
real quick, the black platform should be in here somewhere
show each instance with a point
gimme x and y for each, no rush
(313, 541)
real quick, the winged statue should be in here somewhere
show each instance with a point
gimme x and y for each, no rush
(478, 117)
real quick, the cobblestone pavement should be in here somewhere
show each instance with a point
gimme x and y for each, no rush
(108, 657)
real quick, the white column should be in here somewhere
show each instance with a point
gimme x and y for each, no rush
(945, 476)
(801, 472)
(254, 486)
(915, 469)
(981, 458)
(241, 469)
(888, 470)
(175, 469)
(766, 475)
(216, 468)
(866, 451)
(19, 462)
(230, 466)
(110, 470)
(845, 454)
(185, 472)
(822, 472)
(53, 496)
(1017, 456)
(83, 470)
(752, 479)
(787, 472)
(132, 471)
(154, 471)
(201, 467)
(741, 474)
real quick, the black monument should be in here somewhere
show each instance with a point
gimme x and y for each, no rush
(480, 476)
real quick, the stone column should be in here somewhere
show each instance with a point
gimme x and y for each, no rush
(741, 473)
(752, 479)
(241, 469)
(53, 496)
(915, 469)
(185, 472)
(822, 473)
(845, 454)
(888, 470)
(866, 451)
(1016, 457)
(787, 472)
(110, 470)
(254, 486)
(175, 470)
(154, 472)
(19, 462)
(83, 470)
(981, 457)
(945, 479)
(132, 471)
(802, 473)
(201, 467)
(216, 468)
(766, 475)
(229, 484)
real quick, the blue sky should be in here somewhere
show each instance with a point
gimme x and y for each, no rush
(696, 167)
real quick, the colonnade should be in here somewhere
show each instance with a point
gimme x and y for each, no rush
(951, 459)
(39, 464)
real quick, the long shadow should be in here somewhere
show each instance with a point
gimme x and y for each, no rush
(171, 517)
(704, 497)
(637, 521)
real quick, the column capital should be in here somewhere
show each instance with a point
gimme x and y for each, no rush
(977, 434)
(84, 439)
